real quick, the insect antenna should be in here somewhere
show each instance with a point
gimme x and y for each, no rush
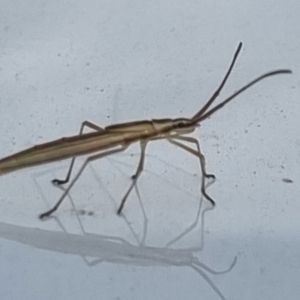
(219, 106)
(219, 89)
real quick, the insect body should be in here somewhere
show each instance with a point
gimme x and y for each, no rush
(117, 138)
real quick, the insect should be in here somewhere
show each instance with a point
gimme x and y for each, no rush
(116, 138)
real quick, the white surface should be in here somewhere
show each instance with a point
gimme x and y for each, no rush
(63, 62)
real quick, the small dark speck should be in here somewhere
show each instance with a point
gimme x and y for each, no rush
(107, 116)
(262, 270)
(81, 212)
(58, 54)
(87, 88)
(287, 180)
(87, 64)
(102, 90)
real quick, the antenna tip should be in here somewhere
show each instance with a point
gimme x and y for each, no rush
(285, 71)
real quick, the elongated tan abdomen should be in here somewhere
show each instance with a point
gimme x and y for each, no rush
(111, 137)
(60, 149)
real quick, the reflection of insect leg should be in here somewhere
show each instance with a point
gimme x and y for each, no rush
(88, 160)
(172, 140)
(136, 176)
(87, 124)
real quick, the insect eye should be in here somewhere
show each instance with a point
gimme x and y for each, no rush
(180, 124)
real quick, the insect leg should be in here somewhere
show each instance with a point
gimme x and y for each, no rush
(201, 157)
(88, 160)
(84, 124)
(135, 176)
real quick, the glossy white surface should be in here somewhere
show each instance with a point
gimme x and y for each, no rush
(63, 62)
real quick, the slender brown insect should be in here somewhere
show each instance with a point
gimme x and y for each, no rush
(119, 137)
